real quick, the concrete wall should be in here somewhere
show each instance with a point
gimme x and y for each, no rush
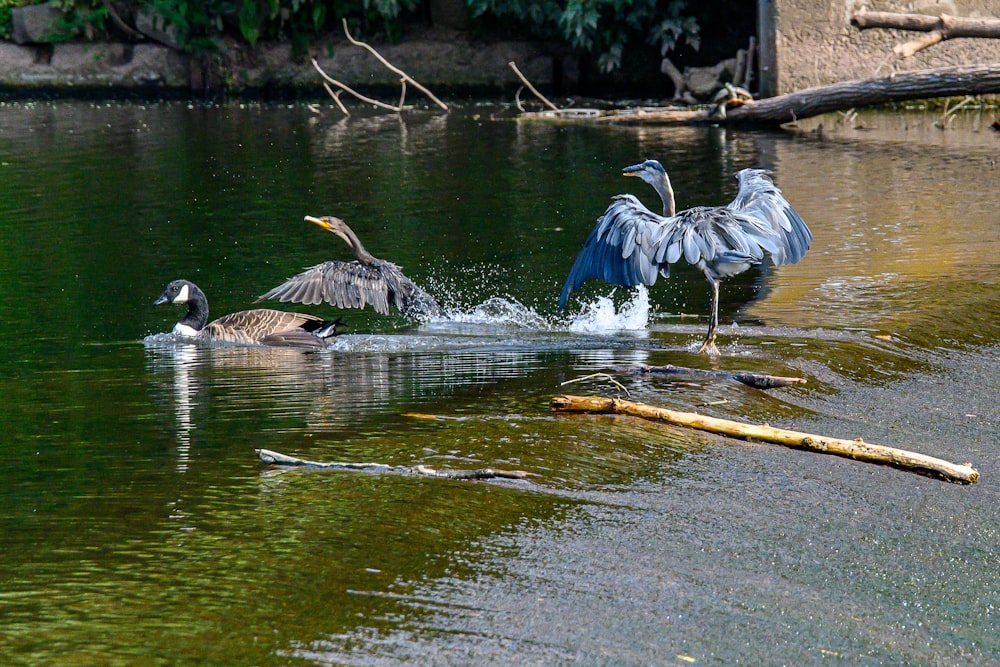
(805, 43)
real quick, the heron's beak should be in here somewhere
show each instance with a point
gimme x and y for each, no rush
(316, 221)
(634, 170)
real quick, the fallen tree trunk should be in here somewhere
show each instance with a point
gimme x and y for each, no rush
(756, 380)
(854, 449)
(897, 87)
(278, 459)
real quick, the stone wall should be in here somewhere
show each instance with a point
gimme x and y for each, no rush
(806, 43)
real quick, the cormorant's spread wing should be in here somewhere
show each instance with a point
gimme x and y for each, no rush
(341, 284)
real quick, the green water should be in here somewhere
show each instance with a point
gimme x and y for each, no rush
(139, 528)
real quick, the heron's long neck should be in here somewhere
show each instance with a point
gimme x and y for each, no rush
(197, 313)
(666, 192)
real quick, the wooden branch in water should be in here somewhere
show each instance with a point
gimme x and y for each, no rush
(392, 68)
(346, 88)
(757, 380)
(854, 449)
(530, 87)
(278, 459)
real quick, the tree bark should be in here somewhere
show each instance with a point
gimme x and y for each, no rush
(854, 449)
(897, 87)
(949, 26)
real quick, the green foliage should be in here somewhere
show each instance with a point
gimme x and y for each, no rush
(79, 18)
(6, 25)
(603, 28)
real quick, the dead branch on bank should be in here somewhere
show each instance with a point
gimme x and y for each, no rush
(278, 459)
(954, 81)
(756, 380)
(898, 87)
(854, 449)
(403, 80)
(938, 28)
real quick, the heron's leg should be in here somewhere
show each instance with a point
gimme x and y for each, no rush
(708, 347)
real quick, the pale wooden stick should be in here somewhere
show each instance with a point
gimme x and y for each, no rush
(393, 68)
(907, 49)
(344, 86)
(278, 459)
(854, 449)
(604, 376)
(531, 88)
(336, 98)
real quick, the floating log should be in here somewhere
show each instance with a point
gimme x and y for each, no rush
(278, 459)
(854, 449)
(756, 380)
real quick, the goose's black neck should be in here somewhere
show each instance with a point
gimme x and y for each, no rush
(197, 314)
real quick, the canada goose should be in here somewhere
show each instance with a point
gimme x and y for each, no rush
(367, 280)
(248, 327)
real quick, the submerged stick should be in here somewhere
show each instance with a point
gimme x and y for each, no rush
(757, 380)
(534, 90)
(854, 449)
(278, 459)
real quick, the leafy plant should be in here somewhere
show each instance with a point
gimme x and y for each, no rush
(602, 28)
(83, 17)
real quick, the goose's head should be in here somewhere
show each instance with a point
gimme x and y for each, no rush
(178, 291)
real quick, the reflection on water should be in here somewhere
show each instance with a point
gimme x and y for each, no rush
(140, 528)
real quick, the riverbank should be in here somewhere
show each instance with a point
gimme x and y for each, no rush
(445, 61)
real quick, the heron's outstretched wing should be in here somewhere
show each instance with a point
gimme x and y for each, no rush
(769, 214)
(622, 248)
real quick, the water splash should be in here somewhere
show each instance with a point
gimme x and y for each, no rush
(600, 315)
(500, 310)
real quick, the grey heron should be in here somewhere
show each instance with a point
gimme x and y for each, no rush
(631, 245)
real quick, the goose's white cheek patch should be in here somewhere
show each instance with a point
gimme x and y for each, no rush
(182, 296)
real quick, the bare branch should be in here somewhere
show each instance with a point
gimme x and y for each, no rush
(855, 449)
(393, 68)
(344, 86)
(531, 87)
(336, 98)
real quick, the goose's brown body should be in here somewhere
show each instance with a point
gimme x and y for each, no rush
(262, 326)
